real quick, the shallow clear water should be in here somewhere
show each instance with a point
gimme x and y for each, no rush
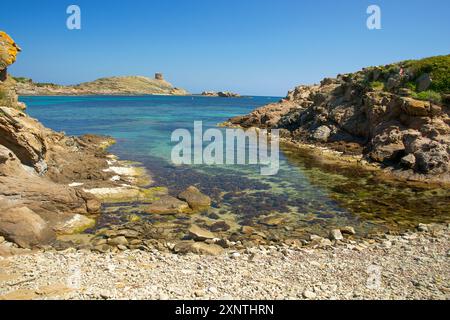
(309, 195)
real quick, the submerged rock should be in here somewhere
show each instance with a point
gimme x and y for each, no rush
(200, 234)
(195, 198)
(272, 221)
(168, 205)
(220, 226)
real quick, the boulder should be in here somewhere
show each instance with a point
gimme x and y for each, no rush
(321, 134)
(167, 205)
(198, 248)
(408, 161)
(388, 152)
(25, 228)
(200, 234)
(433, 158)
(195, 198)
(348, 230)
(8, 50)
(415, 107)
(336, 234)
(118, 241)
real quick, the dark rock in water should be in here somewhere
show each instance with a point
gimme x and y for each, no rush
(219, 226)
(214, 216)
(273, 221)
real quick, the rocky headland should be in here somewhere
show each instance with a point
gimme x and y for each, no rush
(127, 85)
(395, 116)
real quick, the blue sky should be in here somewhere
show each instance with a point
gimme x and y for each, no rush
(260, 47)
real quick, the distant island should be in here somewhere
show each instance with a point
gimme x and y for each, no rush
(125, 85)
(221, 94)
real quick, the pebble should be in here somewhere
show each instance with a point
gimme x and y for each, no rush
(408, 272)
(309, 294)
(336, 234)
(235, 255)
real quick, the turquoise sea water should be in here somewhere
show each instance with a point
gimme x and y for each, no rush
(306, 193)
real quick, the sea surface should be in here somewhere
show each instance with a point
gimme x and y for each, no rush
(307, 195)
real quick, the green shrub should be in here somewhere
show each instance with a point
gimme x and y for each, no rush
(45, 84)
(428, 95)
(411, 86)
(377, 85)
(22, 79)
(439, 69)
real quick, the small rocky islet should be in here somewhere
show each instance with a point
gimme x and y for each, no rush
(60, 193)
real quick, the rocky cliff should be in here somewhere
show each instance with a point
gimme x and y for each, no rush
(396, 115)
(37, 165)
(131, 85)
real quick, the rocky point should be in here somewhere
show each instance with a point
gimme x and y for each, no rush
(397, 116)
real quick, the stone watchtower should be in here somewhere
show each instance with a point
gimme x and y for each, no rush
(159, 76)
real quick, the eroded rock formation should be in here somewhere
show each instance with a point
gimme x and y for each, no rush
(397, 115)
(36, 167)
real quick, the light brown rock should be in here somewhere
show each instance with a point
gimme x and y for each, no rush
(195, 198)
(200, 234)
(24, 227)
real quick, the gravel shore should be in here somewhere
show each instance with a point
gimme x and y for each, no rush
(411, 266)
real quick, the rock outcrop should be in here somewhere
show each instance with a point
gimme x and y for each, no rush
(8, 53)
(397, 115)
(129, 85)
(36, 167)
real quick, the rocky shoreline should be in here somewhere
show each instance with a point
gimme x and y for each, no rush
(396, 116)
(414, 265)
